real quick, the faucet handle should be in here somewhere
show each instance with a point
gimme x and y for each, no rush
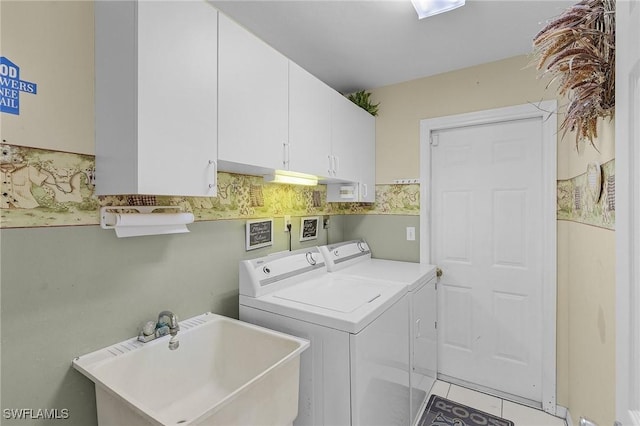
(149, 328)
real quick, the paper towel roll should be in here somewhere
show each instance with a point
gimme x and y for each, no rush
(153, 219)
(138, 231)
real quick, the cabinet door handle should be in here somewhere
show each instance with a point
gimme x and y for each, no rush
(214, 175)
(285, 155)
(417, 330)
(366, 190)
(337, 165)
(330, 169)
(333, 165)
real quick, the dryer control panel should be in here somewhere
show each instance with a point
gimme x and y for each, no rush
(341, 255)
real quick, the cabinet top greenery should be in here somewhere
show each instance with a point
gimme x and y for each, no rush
(361, 99)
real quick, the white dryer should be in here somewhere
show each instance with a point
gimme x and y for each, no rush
(353, 259)
(356, 371)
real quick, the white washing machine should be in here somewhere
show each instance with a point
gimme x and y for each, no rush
(356, 371)
(353, 258)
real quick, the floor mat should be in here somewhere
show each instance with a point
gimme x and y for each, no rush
(442, 412)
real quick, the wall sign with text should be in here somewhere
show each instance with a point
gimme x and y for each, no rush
(309, 228)
(11, 86)
(259, 233)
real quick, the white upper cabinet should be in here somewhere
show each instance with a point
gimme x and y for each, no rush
(155, 97)
(274, 115)
(366, 124)
(353, 152)
(253, 102)
(346, 139)
(309, 149)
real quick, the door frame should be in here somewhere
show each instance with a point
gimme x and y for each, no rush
(627, 210)
(545, 110)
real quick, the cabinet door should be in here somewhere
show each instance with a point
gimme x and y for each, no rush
(345, 139)
(155, 97)
(353, 146)
(366, 130)
(309, 123)
(252, 100)
(177, 95)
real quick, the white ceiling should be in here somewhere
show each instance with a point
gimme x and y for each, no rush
(364, 44)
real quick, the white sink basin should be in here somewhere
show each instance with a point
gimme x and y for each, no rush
(225, 372)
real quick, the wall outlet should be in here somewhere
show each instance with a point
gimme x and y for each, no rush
(287, 221)
(411, 233)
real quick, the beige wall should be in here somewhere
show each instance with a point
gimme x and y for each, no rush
(402, 106)
(589, 296)
(573, 159)
(591, 314)
(586, 255)
(52, 43)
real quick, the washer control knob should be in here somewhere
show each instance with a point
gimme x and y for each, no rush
(335, 253)
(360, 246)
(310, 258)
(266, 270)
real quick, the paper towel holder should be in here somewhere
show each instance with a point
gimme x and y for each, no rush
(144, 222)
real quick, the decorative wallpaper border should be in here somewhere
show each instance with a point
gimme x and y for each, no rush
(52, 188)
(579, 202)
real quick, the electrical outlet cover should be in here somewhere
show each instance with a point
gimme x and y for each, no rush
(411, 233)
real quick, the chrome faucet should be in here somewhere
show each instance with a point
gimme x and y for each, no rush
(167, 324)
(173, 325)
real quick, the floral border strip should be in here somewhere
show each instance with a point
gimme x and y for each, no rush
(577, 203)
(51, 188)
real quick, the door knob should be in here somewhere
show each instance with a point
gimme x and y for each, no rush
(439, 272)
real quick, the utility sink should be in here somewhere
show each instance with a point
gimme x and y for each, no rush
(225, 372)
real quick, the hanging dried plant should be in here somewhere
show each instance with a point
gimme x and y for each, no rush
(578, 50)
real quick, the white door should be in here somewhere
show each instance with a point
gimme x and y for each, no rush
(486, 227)
(627, 212)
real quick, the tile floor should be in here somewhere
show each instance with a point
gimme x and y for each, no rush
(520, 415)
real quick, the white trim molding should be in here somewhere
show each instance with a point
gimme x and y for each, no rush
(564, 413)
(627, 213)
